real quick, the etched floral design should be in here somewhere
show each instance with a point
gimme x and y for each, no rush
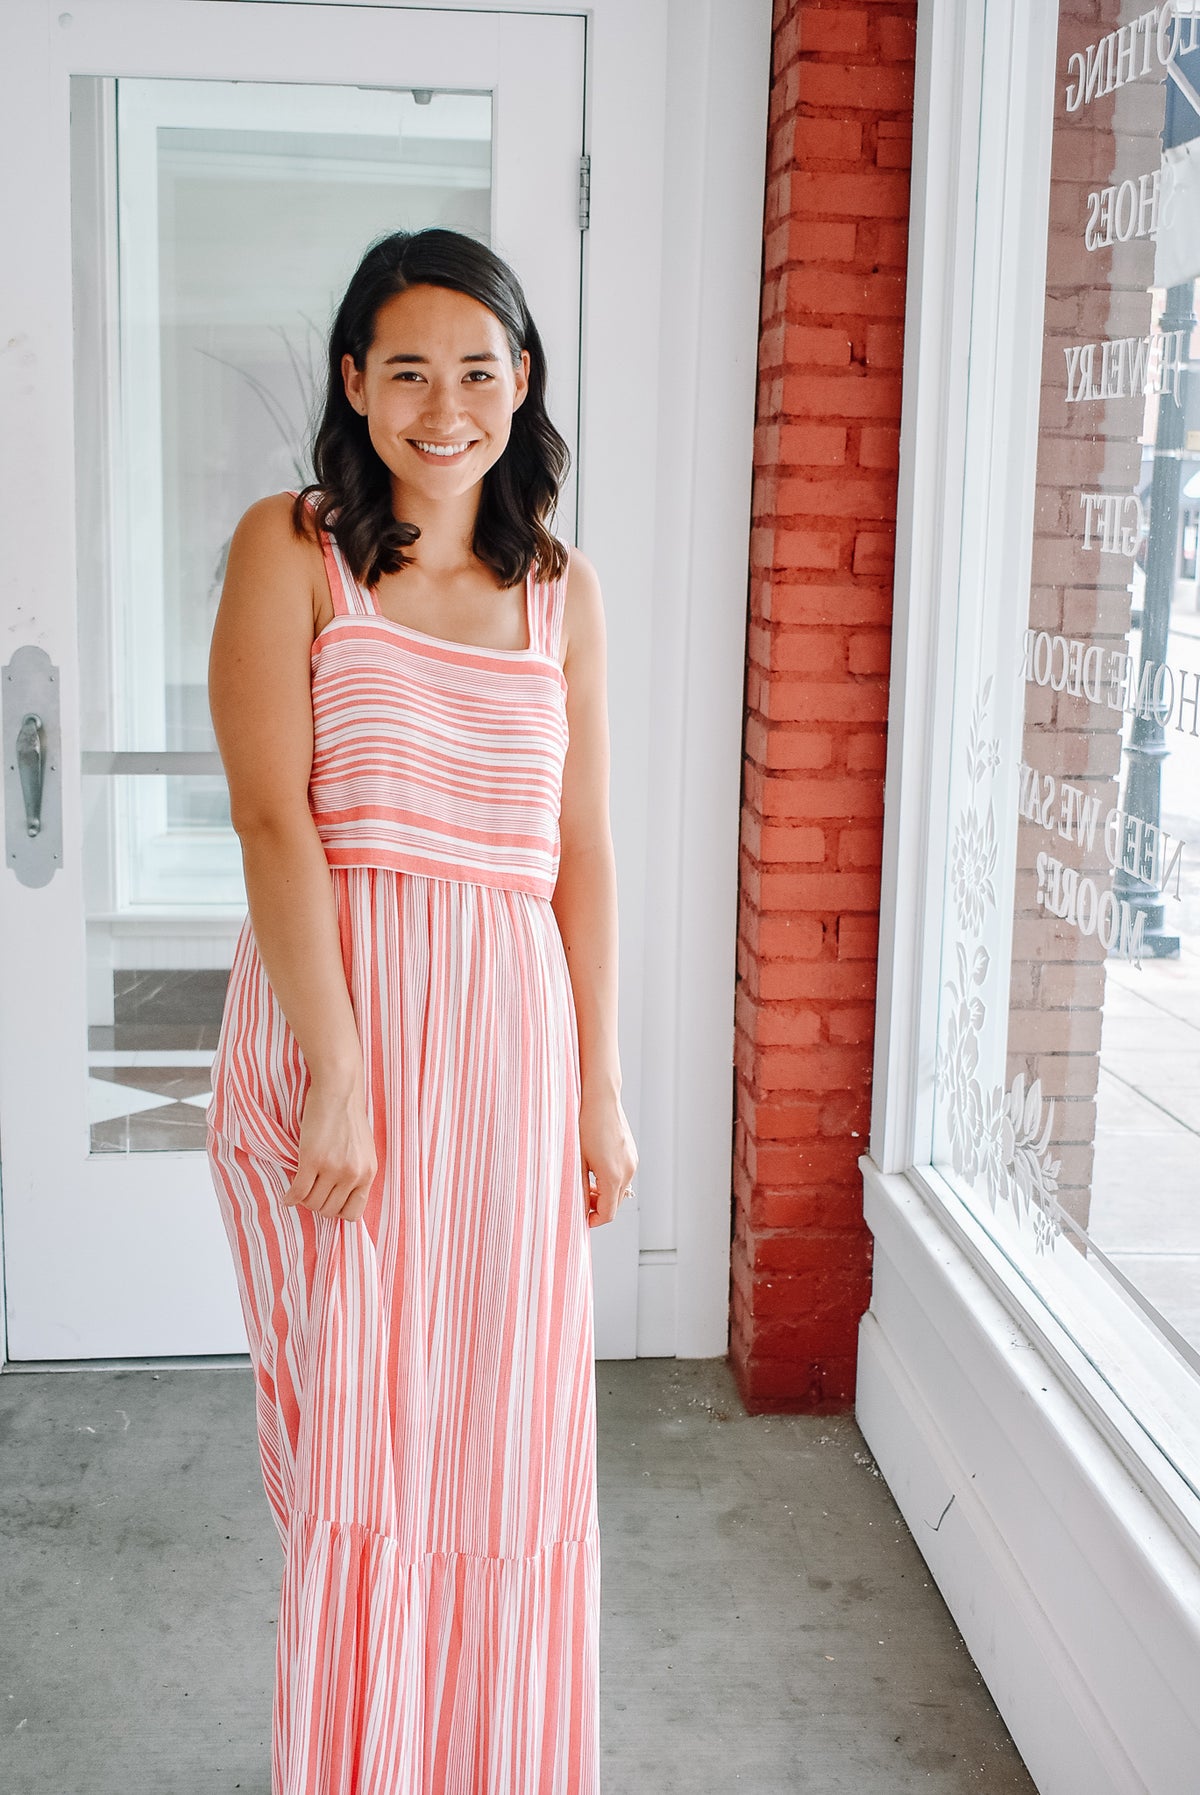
(959, 1064)
(973, 849)
(998, 1137)
(1028, 1140)
(972, 863)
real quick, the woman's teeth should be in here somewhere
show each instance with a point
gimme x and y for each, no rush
(446, 450)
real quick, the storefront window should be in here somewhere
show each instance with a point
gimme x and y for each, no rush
(1067, 1106)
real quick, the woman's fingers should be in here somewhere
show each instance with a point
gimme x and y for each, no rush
(604, 1194)
(331, 1192)
(335, 1196)
(337, 1199)
(356, 1203)
(337, 1157)
(608, 1154)
(300, 1189)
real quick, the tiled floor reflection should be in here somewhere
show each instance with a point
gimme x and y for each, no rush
(148, 1073)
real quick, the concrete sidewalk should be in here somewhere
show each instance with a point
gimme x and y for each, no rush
(1143, 1211)
(768, 1626)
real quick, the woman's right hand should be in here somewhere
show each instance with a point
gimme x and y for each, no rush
(337, 1162)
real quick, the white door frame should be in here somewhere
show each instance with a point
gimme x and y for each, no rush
(676, 131)
(121, 1254)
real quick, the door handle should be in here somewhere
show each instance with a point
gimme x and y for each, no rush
(31, 731)
(31, 765)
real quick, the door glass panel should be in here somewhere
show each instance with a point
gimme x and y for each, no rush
(215, 226)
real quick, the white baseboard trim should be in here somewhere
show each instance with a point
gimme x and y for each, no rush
(1077, 1600)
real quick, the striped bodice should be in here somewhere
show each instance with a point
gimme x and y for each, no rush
(433, 756)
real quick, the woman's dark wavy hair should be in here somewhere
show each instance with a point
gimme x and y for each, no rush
(352, 489)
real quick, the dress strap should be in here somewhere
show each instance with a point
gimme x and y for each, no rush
(547, 603)
(349, 599)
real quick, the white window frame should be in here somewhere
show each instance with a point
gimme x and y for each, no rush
(1066, 1545)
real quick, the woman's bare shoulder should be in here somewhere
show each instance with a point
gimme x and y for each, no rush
(583, 605)
(267, 526)
(274, 576)
(580, 569)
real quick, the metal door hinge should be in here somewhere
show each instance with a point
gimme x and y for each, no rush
(585, 192)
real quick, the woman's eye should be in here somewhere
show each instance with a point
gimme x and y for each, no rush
(473, 374)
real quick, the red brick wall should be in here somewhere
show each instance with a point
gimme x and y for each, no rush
(822, 542)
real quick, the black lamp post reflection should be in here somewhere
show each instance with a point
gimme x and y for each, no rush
(1147, 749)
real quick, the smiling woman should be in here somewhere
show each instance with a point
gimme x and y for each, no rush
(424, 357)
(416, 1114)
(451, 411)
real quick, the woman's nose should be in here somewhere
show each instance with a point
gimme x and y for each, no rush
(442, 401)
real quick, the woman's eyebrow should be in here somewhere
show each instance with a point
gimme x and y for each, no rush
(482, 355)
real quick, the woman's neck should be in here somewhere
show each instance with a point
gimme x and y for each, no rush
(444, 546)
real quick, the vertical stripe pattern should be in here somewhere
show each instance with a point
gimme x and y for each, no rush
(425, 1377)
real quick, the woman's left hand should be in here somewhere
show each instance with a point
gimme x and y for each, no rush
(609, 1156)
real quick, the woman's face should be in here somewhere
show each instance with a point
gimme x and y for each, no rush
(439, 375)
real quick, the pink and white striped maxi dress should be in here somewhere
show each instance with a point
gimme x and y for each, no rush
(425, 1377)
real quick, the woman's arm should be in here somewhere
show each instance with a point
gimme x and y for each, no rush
(261, 702)
(585, 898)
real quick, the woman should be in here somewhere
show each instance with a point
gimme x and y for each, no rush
(416, 1109)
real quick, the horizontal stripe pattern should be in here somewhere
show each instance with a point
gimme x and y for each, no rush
(429, 754)
(425, 1378)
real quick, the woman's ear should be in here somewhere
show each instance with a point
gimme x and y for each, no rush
(352, 380)
(521, 379)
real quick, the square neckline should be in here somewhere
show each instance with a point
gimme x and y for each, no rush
(422, 636)
(406, 629)
(339, 574)
(511, 655)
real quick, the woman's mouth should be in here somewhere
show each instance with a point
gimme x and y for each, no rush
(432, 451)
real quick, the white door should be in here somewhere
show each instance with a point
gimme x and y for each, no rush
(190, 186)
